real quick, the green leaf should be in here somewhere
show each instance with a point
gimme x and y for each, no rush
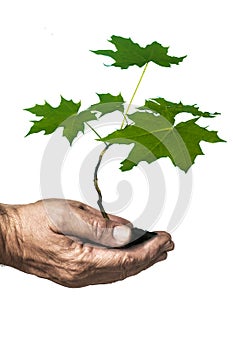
(66, 115)
(170, 109)
(129, 53)
(52, 117)
(108, 103)
(154, 137)
(75, 124)
(106, 98)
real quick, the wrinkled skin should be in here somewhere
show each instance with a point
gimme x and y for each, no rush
(46, 239)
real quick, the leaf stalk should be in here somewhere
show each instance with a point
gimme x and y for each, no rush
(132, 98)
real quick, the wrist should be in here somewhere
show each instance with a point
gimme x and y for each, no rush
(8, 233)
(3, 220)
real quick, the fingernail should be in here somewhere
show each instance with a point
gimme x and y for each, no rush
(122, 234)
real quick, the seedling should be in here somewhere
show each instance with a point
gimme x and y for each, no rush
(152, 128)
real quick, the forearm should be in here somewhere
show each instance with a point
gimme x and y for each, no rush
(3, 219)
(8, 234)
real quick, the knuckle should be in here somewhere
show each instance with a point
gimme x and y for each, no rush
(98, 228)
(127, 265)
(172, 246)
(127, 260)
(68, 276)
(74, 265)
(164, 256)
(169, 245)
(148, 257)
(164, 234)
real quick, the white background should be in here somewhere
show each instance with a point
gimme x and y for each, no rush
(186, 301)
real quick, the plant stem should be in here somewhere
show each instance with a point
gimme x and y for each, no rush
(134, 93)
(100, 200)
(107, 145)
(97, 134)
(96, 184)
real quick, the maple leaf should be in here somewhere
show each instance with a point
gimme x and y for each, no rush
(155, 137)
(52, 117)
(129, 53)
(108, 103)
(170, 109)
(67, 115)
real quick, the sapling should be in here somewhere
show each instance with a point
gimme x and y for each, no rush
(152, 128)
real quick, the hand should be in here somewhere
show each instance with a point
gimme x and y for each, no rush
(46, 239)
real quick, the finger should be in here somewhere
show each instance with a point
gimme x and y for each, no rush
(168, 246)
(120, 220)
(88, 225)
(138, 256)
(164, 233)
(154, 245)
(85, 207)
(119, 271)
(161, 257)
(148, 253)
(97, 213)
(112, 265)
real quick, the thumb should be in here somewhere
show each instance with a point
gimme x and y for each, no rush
(122, 235)
(111, 233)
(88, 224)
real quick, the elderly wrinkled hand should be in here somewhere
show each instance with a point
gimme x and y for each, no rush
(70, 243)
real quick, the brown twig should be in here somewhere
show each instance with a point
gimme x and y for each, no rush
(96, 184)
